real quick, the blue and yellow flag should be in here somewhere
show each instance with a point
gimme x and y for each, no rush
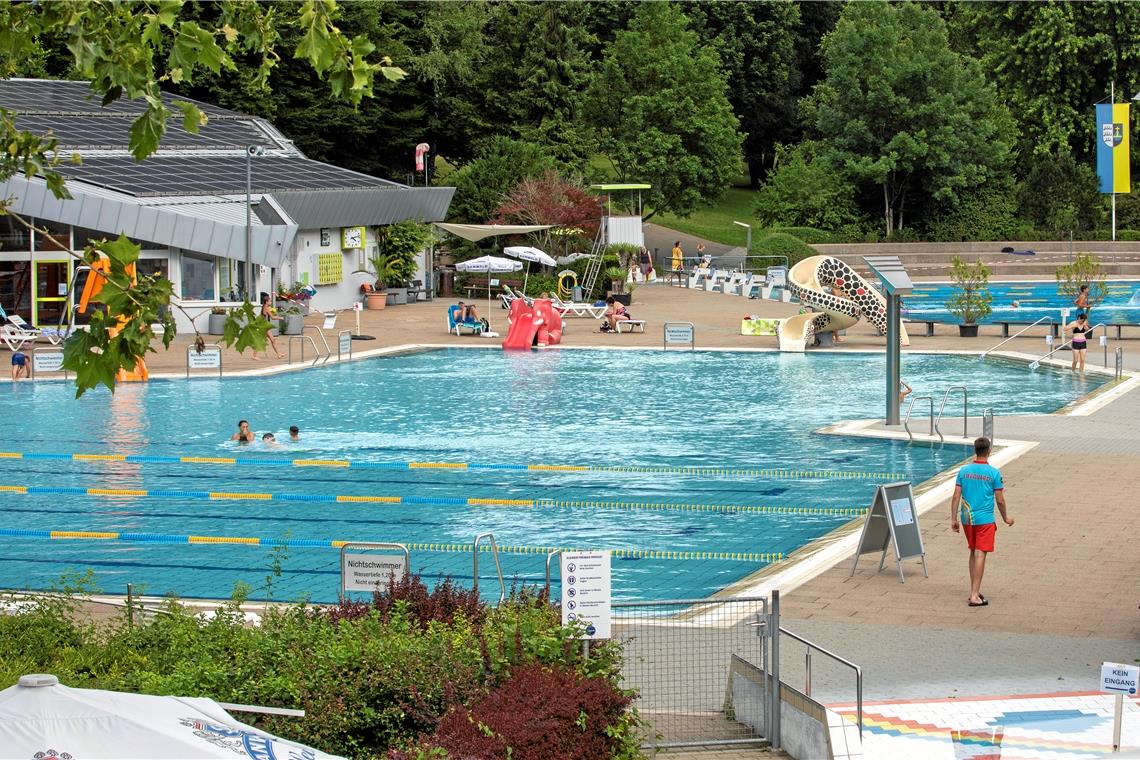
(1112, 151)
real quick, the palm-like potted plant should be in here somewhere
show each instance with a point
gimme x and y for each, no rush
(616, 276)
(292, 320)
(216, 322)
(972, 301)
(399, 244)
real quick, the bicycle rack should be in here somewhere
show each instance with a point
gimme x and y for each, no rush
(965, 408)
(910, 408)
(498, 568)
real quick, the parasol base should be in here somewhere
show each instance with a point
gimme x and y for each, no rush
(363, 337)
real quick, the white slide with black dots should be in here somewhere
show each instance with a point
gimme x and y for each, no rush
(838, 296)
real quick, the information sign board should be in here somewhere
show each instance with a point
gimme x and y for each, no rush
(49, 361)
(344, 343)
(1116, 678)
(208, 358)
(367, 572)
(679, 333)
(892, 520)
(586, 592)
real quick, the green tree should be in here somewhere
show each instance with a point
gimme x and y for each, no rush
(1051, 61)
(128, 49)
(661, 113)
(971, 300)
(1059, 196)
(1085, 269)
(482, 185)
(757, 45)
(805, 190)
(900, 110)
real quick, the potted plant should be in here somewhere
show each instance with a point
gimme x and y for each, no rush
(292, 320)
(972, 300)
(298, 294)
(397, 246)
(616, 276)
(216, 324)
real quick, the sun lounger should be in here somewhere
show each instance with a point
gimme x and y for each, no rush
(15, 338)
(631, 325)
(578, 308)
(457, 327)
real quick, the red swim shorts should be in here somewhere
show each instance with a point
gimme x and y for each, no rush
(980, 537)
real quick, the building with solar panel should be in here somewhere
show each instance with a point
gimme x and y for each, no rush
(306, 221)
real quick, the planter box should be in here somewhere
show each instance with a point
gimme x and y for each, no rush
(376, 301)
(216, 324)
(398, 296)
(292, 324)
(967, 331)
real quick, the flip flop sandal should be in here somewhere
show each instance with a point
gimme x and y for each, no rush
(983, 603)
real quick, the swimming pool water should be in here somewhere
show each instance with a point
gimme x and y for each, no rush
(623, 408)
(1035, 300)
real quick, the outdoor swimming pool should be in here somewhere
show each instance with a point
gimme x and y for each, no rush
(646, 409)
(1035, 300)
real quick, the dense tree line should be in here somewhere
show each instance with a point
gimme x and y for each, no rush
(951, 120)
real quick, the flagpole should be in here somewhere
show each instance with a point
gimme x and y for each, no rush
(1112, 105)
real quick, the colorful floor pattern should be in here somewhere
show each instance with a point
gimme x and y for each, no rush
(1039, 727)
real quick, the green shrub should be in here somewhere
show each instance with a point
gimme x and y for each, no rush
(370, 677)
(541, 283)
(902, 235)
(623, 252)
(1129, 235)
(809, 235)
(783, 244)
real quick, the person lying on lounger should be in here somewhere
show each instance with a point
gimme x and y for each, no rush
(466, 313)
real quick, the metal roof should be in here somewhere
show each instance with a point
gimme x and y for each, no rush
(60, 97)
(891, 272)
(346, 208)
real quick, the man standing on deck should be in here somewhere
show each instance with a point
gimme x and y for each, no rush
(978, 486)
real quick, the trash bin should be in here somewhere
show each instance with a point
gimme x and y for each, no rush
(446, 282)
(577, 294)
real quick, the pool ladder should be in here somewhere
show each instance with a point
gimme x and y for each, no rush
(303, 338)
(936, 420)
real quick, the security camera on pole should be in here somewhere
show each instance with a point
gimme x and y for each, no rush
(250, 152)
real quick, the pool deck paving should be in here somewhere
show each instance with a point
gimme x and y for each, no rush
(1063, 585)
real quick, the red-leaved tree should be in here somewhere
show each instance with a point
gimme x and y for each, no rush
(551, 199)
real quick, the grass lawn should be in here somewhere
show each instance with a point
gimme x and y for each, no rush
(716, 222)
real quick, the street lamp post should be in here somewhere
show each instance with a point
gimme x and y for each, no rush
(250, 152)
(747, 244)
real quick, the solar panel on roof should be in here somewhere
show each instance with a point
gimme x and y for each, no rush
(66, 97)
(107, 132)
(220, 175)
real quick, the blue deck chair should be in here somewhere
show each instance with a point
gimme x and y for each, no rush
(456, 327)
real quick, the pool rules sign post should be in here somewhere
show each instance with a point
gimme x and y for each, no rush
(586, 591)
(1119, 679)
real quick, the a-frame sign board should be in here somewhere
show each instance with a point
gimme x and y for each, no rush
(892, 521)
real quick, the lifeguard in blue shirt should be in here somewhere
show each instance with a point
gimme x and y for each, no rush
(977, 489)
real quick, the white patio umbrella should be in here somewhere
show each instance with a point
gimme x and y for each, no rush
(39, 714)
(527, 253)
(572, 257)
(490, 265)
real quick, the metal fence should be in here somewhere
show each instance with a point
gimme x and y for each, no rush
(678, 654)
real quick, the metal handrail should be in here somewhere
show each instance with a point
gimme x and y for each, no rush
(910, 408)
(498, 568)
(1037, 362)
(303, 338)
(965, 409)
(1016, 334)
(837, 658)
(321, 333)
(549, 558)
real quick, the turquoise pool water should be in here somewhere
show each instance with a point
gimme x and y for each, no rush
(636, 408)
(1035, 300)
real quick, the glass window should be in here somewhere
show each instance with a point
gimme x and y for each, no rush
(60, 235)
(198, 278)
(151, 267)
(13, 235)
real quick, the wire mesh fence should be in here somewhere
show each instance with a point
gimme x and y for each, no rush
(678, 654)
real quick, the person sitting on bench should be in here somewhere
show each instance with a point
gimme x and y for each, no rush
(615, 312)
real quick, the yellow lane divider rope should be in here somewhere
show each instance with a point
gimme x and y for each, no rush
(775, 473)
(165, 538)
(444, 501)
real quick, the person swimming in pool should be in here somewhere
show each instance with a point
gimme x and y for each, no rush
(269, 441)
(244, 434)
(294, 433)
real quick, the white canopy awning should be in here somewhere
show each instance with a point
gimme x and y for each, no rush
(475, 232)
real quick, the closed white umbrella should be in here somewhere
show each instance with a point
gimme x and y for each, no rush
(528, 253)
(489, 264)
(39, 714)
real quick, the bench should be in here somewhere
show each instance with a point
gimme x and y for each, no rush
(634, 325)
(1054, 327)
(476, 288)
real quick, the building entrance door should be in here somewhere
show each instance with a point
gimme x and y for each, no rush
(50, 287)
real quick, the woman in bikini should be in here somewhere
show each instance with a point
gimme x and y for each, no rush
(615, 312)
(1082, 301)
(267, 314)
(1079, 344)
